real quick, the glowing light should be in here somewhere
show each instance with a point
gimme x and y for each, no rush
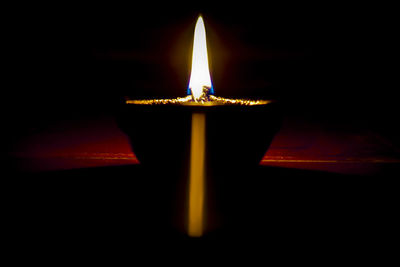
(200, 89)
(200, 79)
(200, 93)
(197, 175)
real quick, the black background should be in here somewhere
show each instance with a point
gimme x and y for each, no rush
(327, 61)
(330, 62)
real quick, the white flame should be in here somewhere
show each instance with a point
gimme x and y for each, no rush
(200, 75)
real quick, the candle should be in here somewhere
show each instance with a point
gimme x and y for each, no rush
(200, 90)
(219, 128)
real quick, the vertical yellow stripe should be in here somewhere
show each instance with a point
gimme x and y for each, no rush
(197, 175)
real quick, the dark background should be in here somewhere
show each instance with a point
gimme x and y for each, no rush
(325, 61)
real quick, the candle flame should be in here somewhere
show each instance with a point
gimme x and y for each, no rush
(200, 80)
(200, 93)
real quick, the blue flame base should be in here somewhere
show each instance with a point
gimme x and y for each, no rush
(211, 92)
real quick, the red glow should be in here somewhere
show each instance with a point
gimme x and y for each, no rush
(299, 145)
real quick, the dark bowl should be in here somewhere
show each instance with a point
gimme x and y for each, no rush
(237, 137)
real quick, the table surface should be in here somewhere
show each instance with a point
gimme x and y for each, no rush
(319, 188)
(300, 144)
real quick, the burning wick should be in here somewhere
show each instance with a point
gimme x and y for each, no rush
(200, 85)
(200, 92)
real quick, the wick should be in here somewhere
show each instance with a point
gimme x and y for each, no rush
(204, 97)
